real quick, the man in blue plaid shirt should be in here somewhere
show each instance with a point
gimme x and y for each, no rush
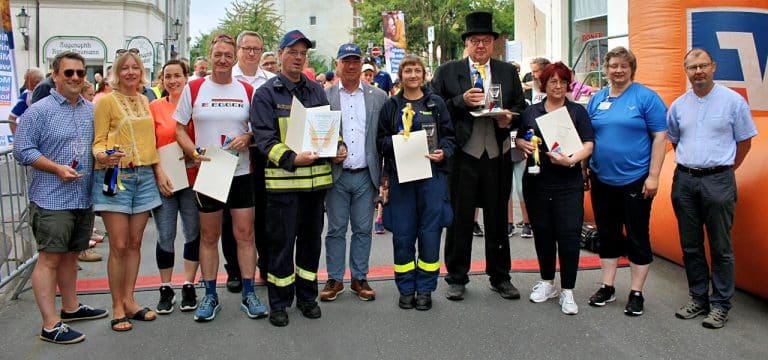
(54, 138)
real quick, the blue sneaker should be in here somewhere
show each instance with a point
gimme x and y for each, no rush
(62, 334)
(208, 308)
(253, 307)
(83, 312)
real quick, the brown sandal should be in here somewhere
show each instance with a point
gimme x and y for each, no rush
(116, 322)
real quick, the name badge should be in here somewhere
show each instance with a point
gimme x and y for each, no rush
(605, 105)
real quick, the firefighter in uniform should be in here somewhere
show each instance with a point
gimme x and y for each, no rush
(296, 184)
(416, 209)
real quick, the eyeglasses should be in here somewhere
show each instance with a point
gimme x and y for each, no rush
(123, 51)
(223, 38)
(296, 53)
(70, 72)
(485, 42)
(696, 67)
(555, 82)
(252, 50)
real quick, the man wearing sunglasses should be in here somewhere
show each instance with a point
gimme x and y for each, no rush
(50, 137)
(249, 48)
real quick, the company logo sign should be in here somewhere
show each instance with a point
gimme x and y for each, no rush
(737, 38)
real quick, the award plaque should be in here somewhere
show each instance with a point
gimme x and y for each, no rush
(432, 141)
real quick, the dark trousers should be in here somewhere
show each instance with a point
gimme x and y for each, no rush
(622, 217)
(417, 210)
(556, 217)
(228, 244)
(707, 201)
(484, 183)
(294, 226)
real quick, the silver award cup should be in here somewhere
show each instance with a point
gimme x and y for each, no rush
(431, 130)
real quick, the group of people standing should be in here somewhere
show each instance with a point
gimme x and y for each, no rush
(104, 158)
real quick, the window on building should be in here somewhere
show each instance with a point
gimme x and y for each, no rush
(312, 20)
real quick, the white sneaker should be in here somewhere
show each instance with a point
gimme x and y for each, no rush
(567, 304)
(543, 291)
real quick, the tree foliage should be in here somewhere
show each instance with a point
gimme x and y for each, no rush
(254, 15)
(447, 16)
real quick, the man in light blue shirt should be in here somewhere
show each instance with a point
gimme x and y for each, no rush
(711, 129)
(355, 177)
(55, 137)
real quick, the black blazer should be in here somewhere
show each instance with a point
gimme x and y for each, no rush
(452, 79)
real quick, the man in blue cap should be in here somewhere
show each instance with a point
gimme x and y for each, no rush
(355, 177)
(296, 184)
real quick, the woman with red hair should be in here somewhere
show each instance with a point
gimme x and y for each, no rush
(554, 195)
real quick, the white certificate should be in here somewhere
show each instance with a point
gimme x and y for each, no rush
(410, 157)
(172, 163)
(215, 176)
(558, 131)
(314, 129)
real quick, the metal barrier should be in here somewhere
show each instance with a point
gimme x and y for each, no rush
(18, 253)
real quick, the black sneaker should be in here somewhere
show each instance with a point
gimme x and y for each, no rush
(83, 312)
(424, 301)
(527, 231)
(167, 300)
(510, 230)
(506, 290)
(477, 230)
(278, 318)
(188, 298)
(635, 304)
(604, 295)
(234, 283)
(310, 309)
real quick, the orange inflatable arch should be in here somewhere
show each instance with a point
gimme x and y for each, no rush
(660, 33)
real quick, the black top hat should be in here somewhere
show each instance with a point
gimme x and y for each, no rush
(480, 22)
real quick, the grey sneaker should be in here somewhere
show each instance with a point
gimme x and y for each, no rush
(690, 310)
(715, 319)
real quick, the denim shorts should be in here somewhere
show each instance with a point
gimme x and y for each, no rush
(140, 192)
(60, 231)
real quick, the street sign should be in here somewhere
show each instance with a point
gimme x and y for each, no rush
(376, 51)
(431, 34)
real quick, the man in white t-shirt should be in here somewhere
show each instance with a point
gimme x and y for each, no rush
(219, 107)
(249, 49)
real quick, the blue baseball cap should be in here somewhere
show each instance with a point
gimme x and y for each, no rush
(293, 37)
(346, 50)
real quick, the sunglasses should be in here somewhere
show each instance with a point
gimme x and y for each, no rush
(69, 72)
(223, 38)
(123, 51)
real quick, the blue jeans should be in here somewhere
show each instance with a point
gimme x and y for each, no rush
(349, 201)
(181, 203)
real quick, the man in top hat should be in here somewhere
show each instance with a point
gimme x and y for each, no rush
(482, 169)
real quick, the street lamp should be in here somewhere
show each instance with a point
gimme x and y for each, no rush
(23, 20)
(176, 30)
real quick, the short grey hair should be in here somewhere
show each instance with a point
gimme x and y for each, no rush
(245, 33)
(35, 72)
(541, 62)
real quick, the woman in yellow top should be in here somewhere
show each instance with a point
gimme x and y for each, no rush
(122, 120)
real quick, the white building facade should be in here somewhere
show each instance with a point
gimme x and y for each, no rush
(326, 22)
(559, 29)
(97, 29)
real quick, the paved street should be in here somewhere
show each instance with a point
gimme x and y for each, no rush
(483, 326)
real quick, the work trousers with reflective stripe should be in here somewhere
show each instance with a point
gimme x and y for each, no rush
(417, 210)
(294, 225)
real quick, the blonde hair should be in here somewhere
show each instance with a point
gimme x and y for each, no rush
(119, 62)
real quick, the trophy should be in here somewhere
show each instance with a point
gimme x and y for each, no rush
(493, 98)
(431, 130)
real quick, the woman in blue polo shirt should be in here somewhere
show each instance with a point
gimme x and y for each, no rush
(629, 121)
